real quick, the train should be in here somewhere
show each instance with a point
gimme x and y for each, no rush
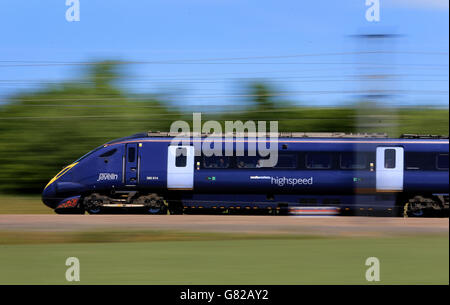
(353, 174)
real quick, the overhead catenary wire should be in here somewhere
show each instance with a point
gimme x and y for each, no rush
(369, 64)
(279, 79)
(186, 60)
(5, 84)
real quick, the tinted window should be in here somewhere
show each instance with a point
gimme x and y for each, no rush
(181, 157)
(353, 161)
(318, 160)
(88, 154)
(109, 153)
(216, 162)
(286, 161)
(389, 158)
(249, 162)
(420, 161)
(131, 154)
(442, 161)
(414, 161)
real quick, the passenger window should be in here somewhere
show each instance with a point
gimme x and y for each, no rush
(216, 162)
(442, 161)
(181, 157)
(249, 162)
(131, 154)
(414, 161)
(318, 160)
(389, 158)
(109, 153)
(353, 161)
(286, 161)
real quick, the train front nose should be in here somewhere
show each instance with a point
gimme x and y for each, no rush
(49, 196)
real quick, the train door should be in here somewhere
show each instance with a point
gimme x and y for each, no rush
(131, 164)
(389, 169)
(180, 167)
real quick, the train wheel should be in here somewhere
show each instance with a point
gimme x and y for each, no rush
(420, 206)
(93, 203)
(93, 211)
(153, 204)
(157, 210)
(418, 213)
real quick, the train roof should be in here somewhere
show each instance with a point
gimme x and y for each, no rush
(342, 135)
(281, 135)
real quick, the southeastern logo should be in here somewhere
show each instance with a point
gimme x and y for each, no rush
(107, 176)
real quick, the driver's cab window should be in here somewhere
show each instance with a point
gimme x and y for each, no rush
(131, 154)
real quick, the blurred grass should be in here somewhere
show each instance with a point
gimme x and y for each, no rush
(111, 236)
(404, 260)
(23, 205)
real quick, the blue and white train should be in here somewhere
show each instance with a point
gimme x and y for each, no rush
(355, 174)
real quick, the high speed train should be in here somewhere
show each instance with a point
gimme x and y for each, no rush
(357, 174)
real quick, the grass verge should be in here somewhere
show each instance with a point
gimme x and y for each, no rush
(23, 205)
(205, 258)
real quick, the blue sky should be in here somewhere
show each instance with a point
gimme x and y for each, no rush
(324, 69)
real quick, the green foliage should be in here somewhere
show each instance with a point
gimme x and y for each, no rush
(42, 131)
(202, 260)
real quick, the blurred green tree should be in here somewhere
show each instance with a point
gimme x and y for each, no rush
(42, 131)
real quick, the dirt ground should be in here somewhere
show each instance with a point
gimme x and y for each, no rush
(334, 226)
